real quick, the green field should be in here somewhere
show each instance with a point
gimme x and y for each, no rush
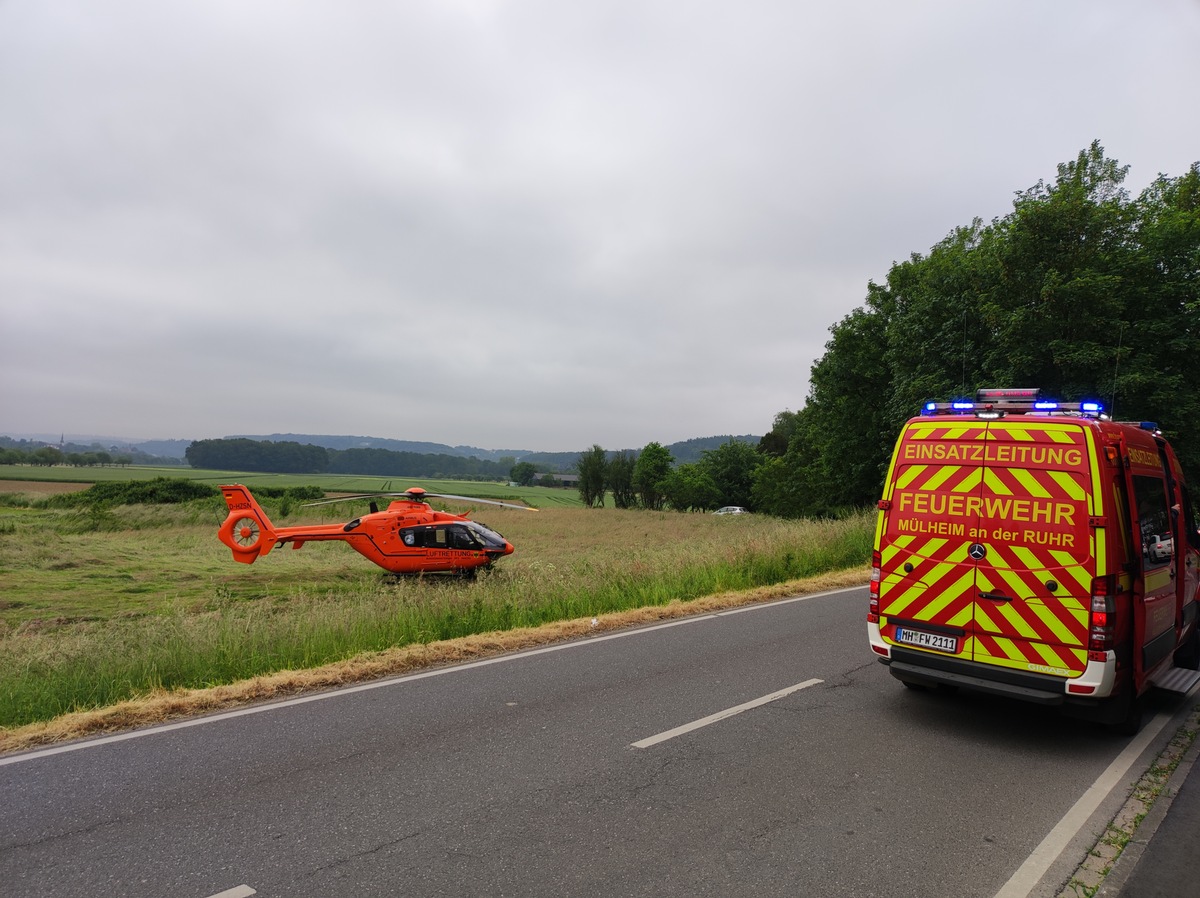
(537, 496)
(102, 604)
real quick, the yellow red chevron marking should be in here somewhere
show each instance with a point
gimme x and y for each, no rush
(1002, 618)
(911, 473)
(1070, 487)
(1031, 656)
(1025, 491)
(1031, 485)
(957, 593)
(992, 482)
(940, 476)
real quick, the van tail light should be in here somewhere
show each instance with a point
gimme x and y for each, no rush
(1102, 621)
(873, 606)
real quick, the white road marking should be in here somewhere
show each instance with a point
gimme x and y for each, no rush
(721, 715)
(1023, 882)
(398, 681)
(235, 892)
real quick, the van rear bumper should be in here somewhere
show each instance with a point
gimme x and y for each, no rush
(917, 668)
(927, 669)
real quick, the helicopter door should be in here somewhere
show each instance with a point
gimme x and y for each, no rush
(447, 536)
(461, 537)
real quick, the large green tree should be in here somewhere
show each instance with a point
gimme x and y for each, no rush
(522, 472)
(653, 465)
(592, 468)
(619, 478)
(731, 468)
(690, 488)
(1080, 290)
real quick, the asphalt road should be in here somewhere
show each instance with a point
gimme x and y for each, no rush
(564, 772)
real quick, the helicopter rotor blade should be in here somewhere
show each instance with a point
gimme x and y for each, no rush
(352, 498)
(419, 495)
(484, 501)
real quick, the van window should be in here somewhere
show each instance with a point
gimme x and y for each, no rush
(1191, 524)
(1154, 519)
(1122, 512)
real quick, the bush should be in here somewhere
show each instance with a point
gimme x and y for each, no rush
(159, 491)
(306, 493)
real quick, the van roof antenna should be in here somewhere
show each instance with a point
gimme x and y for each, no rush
(964, 360)
(1112, 404)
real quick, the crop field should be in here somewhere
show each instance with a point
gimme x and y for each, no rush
(41, 480)
(102, 604)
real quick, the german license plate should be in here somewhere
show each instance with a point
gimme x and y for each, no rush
(921, 639)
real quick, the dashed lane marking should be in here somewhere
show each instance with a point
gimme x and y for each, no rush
(242, 891)
(406, 678)
(721, 715)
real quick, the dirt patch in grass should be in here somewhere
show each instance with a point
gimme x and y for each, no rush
(40, 487)
(165, 706)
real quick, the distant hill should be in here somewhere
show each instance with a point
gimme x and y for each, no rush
(690, 451)
(360, 442)
(164, 448)
(684, 452)
(145, 452)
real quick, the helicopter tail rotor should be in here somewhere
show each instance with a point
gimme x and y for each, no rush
(247, 530)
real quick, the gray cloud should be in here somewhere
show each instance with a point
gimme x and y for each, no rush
(515, 224)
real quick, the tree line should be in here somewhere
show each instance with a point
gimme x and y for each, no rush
(652, 480)
(289, 457)
(33, 452)
(49, 456)
(1082, 290)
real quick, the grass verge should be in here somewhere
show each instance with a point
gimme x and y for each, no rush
(162, 705)
(114, 604)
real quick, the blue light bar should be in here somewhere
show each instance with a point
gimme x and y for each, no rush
(1045, 406)
(1094, 408)
(931, 406)
(962, 406)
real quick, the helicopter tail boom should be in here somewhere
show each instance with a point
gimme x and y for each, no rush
(247, 530)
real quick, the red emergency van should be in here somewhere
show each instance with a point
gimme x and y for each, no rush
(1038, 550)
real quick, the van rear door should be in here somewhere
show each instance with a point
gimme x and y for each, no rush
(988, 549)
(1034, 578)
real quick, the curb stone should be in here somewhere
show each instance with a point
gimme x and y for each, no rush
(1111, 860)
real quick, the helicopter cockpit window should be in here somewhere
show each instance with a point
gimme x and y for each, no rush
(486, 536)
(461, 538)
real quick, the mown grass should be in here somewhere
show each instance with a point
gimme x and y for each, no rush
(103, 605)
(537, 496)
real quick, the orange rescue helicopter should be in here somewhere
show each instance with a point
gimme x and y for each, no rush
(409, 537)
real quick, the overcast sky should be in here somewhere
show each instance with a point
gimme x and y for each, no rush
(529, 225)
